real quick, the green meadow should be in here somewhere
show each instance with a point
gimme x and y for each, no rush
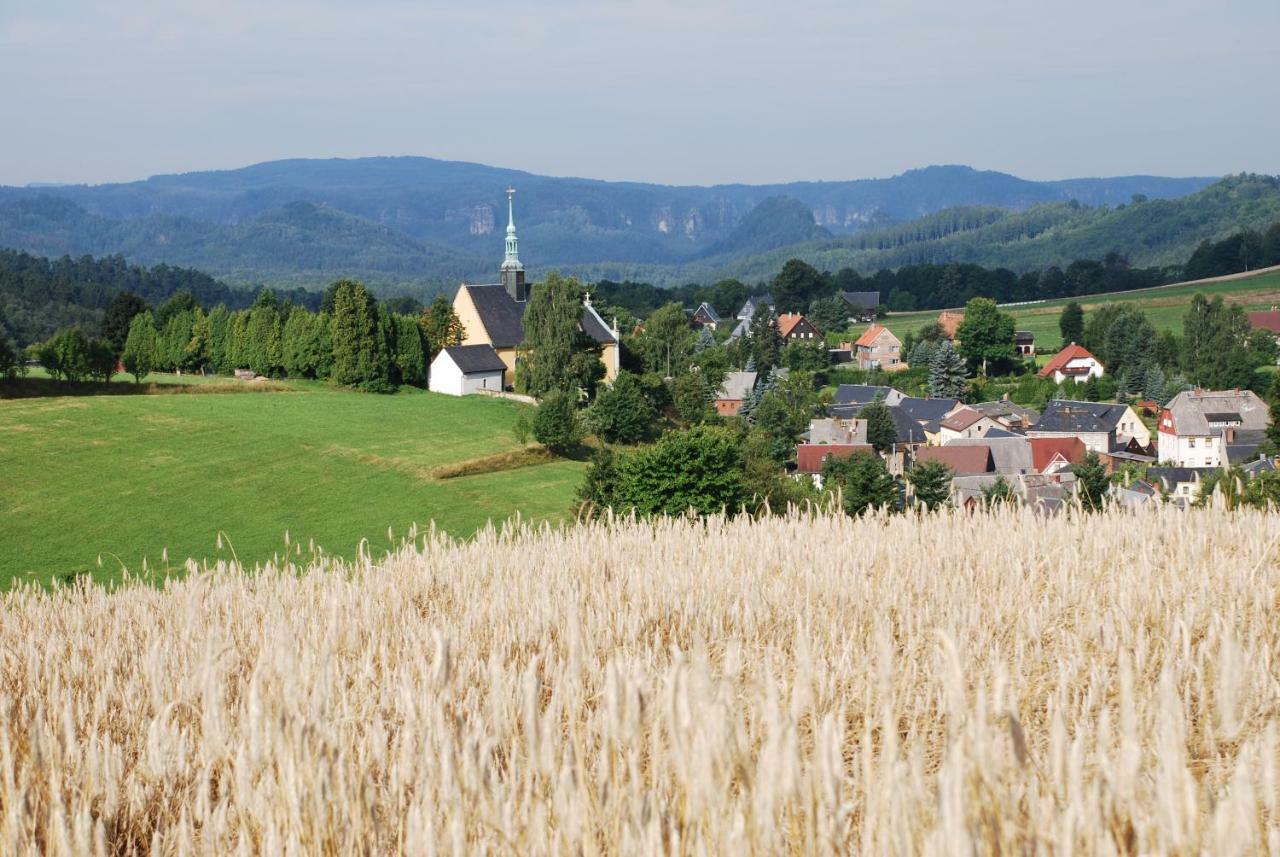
(94, 483)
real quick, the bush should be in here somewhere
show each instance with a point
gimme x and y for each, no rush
(622, 413)
(700, 469)
(555, 423)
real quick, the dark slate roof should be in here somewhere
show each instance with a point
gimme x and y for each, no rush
(475, 358)
(1245, 445)
(593, 325)
(927, 410)
(861, 300)
(1068, 416)
(999, 432)
(859, 394)
(909, 431)
(708, 310)
(1172, 476)
(1259, 465)
(1222, 417)
(503, 318)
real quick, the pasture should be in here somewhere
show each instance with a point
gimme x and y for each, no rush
(1165, 306)
(160, 477)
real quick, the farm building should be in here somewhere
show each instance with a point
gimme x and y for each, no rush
(461, 370)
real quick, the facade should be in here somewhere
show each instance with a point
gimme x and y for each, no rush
(794, 327)
(493, 314)
(878, 348)
(1072, 363)
(461, 370)
(1201, 428)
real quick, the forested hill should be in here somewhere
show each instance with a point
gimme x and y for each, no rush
(430, 223)
(39, 296)
(1148, 232)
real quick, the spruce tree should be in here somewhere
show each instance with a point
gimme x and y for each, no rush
(947, 372)
(1071, 323)
(764, 338)
(931, 481)
(360, 352)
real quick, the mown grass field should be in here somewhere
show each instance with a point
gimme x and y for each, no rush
(1164, 306)
(134, 477)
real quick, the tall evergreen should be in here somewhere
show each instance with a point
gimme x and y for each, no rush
(410, 351)
(947, 372)
(360, 353)
(139, 356)
(764, 339)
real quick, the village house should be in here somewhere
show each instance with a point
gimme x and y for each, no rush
(950, 322)
(1073, 362)
(833, 430)
(965, 422)
(878, 348)
(1180, 483)
(1200, 428)
(493, 314)
(735, 390)
(1010, 415)
(811, 456)
(706, 316)
(862, 305)
(748, 312)
(963, 460)
(1024, 341)
(794, 327)
(865, 394)
(461, 370)
(1010, 454)
(1103, 427)
(1056, 454)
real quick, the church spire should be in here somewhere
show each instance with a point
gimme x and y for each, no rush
(511, 262)
(512, 271)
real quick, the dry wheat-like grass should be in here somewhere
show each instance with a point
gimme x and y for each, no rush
(1000, 683)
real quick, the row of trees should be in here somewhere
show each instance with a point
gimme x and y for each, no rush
(353, 340)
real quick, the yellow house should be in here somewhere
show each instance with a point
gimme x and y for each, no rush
(493, 314)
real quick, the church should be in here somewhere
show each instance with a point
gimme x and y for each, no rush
(493, 314)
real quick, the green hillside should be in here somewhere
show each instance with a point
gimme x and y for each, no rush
(1148, 233)
(129, 477)
(1165, 306)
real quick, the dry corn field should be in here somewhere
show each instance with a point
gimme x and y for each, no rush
(810, 685)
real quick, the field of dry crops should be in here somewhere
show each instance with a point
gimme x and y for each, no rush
(989, 684)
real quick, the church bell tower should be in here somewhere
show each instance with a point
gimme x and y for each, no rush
(512, 271)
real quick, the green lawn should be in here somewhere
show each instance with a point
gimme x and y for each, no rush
(1164, 306)
(127, 477)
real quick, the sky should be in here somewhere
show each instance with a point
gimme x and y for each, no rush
(662, 90)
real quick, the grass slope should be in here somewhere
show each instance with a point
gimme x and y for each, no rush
(128, 477)
(1165, 306)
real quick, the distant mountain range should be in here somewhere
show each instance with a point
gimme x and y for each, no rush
(418, 224)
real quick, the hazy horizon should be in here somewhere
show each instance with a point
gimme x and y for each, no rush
(712, 93)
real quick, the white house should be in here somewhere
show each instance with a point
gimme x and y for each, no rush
(460, 370)
(1201, 428)
(1074, 362)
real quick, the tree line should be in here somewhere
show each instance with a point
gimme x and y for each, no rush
(352, 339)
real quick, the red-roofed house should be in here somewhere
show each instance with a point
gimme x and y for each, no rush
(1268, 319)
(963, 460)
(1074, 362)
(878, 348)
(796, 328)
(1053, 454)
(809, 456)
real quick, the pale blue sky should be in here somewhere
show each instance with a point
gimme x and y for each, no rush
(663, 90)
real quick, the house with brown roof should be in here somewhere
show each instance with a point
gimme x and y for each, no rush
(1073, 362)
(878, 348)
(950, 321)
(965, 422)
(794, 327)
(963, 460)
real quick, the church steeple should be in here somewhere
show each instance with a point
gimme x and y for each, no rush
(512, 271)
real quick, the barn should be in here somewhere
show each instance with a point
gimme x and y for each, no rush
(461, 370)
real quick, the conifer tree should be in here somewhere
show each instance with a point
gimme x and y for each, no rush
(140, 346)
(947, 372)
(360, 352)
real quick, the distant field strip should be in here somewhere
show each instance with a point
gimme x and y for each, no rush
(960, 684)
